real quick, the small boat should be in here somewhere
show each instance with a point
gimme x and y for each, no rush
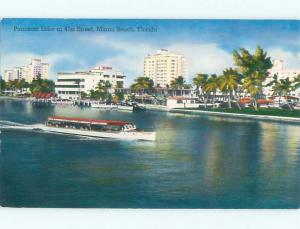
(103, 106)
(97, 128)
(136, 107)
(139, 108)
(125, 107)
(62, 101)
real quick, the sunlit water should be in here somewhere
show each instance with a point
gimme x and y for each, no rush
(196, 162)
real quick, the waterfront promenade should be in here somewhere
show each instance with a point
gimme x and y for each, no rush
(245, 116)
(223, 114)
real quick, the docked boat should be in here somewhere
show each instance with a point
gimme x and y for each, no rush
(135, 106)
(103, 106)
(125, 107)
(62, 101)
(97, 128)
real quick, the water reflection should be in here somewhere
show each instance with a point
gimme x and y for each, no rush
(196, 162)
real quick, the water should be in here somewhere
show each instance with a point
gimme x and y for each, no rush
(196, 162)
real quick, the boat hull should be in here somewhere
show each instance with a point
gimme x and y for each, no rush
(131, 135)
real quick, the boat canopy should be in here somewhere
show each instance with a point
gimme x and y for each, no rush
(88, 121)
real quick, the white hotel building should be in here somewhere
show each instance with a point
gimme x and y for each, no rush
(69, 85)
(163, 67)
(28, 72)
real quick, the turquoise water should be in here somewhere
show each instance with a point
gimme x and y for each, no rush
(196, 162)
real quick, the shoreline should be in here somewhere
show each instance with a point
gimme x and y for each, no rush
(225, 114)
(161, 108)
(241, 116)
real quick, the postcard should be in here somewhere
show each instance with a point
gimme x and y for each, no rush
(150, 113)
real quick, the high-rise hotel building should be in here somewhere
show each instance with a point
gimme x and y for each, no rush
(28, 72)
(163, 67)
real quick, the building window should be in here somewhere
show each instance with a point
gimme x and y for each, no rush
(67, 86)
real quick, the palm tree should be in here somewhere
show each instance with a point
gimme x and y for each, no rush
(41, 85)
(2, 85)
(228, 83)
(254, 68)
(251, 86)
(212, 85)
(12, 84)
(103, 89)
(178, 83)
(272, 82)
(296, 82)
(21, 84)
(94, 94)
(119, 84)
(83, 95)
(141, 84)
(283, 87)
(118, 97)
(200, 82)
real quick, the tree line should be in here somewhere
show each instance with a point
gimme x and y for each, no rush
(35, 86)
(248, 76)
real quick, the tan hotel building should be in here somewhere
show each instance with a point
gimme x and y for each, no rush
(163, 67)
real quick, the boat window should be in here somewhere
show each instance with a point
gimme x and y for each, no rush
(84, 126)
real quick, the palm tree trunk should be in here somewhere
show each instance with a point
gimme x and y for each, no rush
(255, 104)
(229, 101)
(279, 102)
(238, 99)
(289, 105)
(238, 105)
(197, 92)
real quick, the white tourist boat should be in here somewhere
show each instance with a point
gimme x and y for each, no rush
(96, 128)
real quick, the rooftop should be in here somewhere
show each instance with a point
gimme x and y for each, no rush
(90, 121)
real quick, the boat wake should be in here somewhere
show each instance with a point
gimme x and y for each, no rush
(3, 122)
(8, 125)
(20, 126)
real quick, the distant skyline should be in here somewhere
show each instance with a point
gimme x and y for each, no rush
(206, 44)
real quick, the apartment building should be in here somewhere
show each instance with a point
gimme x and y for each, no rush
(29, 72)
(164, 66)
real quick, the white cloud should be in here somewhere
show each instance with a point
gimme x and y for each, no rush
(130, 57)
(205, 58)
(291, 60)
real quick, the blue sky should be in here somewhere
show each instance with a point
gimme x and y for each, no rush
(206, 44)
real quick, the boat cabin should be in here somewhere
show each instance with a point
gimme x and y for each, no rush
(89, 124)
